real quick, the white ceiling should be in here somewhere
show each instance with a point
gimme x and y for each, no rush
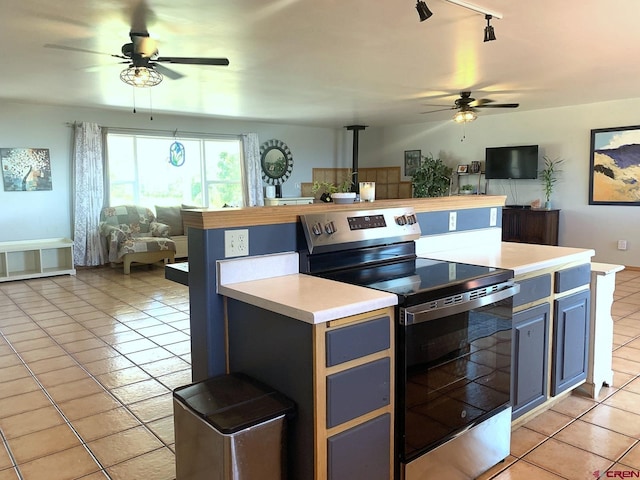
(326, 62)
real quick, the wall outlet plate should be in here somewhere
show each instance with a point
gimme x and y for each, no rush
(493, 217)
(622, 244)
(236, 243)
(453, 220)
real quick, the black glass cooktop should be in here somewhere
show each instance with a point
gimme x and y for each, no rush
(421, 279)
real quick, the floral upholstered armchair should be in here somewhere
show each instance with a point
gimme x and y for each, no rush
(131, 234)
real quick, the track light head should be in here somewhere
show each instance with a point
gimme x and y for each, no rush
(489, 33)
(423, 10)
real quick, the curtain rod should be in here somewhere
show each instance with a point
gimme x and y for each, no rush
(174, 133)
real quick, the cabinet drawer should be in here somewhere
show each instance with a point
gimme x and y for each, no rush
(356, 341)
(573, 277)
(533, 289)
(357, 391)
(362, 451)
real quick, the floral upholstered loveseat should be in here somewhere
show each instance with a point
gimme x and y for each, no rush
(130, 233)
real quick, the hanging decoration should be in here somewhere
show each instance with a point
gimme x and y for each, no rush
(177, 154)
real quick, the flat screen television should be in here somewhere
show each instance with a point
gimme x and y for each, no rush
(519, 162)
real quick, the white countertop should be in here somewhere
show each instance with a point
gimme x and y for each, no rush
(316, 300)
(520, 257)
(307, 298)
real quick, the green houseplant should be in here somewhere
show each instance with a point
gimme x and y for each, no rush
(328, 189)
(548, 175)
(466, 189)
(432, 178)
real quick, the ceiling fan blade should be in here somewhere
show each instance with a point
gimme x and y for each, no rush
(84, 50)
(481, 102)
(440, 110)
(194, 61)
(437, 105)
(138, 20)
(167, 72)
(499, 105)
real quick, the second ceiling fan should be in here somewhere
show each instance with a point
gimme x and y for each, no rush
(466, 107)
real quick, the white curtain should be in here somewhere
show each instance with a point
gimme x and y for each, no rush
(252, 173)
(88, 173)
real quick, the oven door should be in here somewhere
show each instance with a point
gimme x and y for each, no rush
(454, 367)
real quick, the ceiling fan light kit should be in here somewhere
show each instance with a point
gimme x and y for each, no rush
(140, 77)
(465, 116)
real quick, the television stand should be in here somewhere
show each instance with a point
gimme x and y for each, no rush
(517, 206)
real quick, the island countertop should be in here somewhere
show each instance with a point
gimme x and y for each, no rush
(522, 258)
(308, 298)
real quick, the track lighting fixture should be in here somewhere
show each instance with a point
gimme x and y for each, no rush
(489, 34)
(423, 10)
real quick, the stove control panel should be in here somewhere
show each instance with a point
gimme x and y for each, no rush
(346, 229)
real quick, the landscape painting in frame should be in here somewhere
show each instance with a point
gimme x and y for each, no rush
(25, 169)
(614, 177)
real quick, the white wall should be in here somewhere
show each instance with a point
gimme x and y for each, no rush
(560, 132)
(48, 214)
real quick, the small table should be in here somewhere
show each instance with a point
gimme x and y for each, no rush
(177, 272)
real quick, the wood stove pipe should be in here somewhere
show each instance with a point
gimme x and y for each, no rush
(355, 187)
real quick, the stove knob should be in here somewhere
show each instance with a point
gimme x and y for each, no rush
(411, 219)
(401, 220)
(316, 229)
(330, 228)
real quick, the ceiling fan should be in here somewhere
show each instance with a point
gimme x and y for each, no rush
(146, 67)
(467, 106)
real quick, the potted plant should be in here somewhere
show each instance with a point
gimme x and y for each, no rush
(327, 189)
(466, 189)
(332, 193)
(432, 178)
(548, 175)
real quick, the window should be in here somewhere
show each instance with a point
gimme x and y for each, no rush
(140, 172)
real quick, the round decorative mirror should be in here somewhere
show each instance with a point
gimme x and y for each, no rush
(276, 162)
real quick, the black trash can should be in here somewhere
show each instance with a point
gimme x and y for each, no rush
(230, 427)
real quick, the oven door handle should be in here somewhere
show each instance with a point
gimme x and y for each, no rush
(469, 301)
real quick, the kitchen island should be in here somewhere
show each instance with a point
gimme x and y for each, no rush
(297, 333)
(268, 315)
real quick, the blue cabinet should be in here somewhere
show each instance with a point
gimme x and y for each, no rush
(530, 354)
(571, 341)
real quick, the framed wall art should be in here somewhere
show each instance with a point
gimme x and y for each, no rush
(411, 162)
(462, 169)
(25, 169)
(614, 173)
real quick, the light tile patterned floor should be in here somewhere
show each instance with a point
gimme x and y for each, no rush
(87, 365)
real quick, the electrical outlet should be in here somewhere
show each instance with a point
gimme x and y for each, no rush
(453, 219)
(493, 217)
(236, 243)
(622, 244)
